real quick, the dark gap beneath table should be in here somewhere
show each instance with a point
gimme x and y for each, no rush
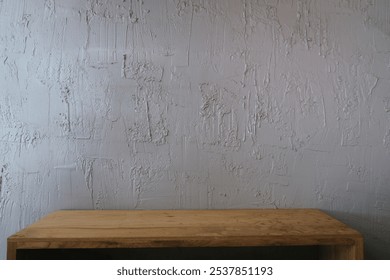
(182, 253)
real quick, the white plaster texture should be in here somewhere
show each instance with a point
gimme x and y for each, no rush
(145, 104)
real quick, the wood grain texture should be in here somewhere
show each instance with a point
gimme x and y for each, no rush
(190, 228)
(11, 250)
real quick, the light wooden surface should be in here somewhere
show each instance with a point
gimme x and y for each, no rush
(189, 228)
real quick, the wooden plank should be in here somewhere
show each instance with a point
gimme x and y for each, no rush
(343, 252)
(190, 228)
(159, 242)
(11, 250)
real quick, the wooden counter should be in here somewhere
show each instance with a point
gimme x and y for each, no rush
(71, 229)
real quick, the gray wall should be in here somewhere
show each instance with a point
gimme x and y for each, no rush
(196, 104)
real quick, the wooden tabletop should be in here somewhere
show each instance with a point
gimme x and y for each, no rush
(184, 228)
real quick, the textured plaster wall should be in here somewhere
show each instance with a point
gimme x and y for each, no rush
(120, 104)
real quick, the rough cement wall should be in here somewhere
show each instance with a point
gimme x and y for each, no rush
(123, 104)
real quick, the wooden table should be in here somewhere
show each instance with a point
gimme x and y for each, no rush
(190, 228)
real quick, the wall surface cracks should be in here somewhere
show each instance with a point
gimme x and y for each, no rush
(155, 104)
